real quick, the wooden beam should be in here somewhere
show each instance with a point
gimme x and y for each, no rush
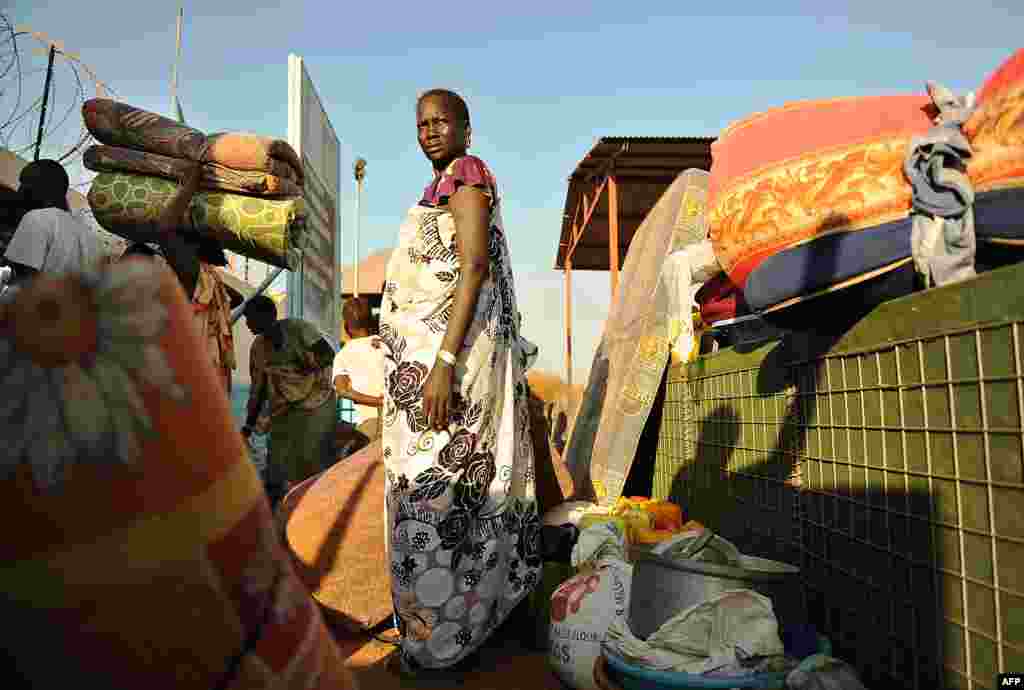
(568, 320)
(613, 233)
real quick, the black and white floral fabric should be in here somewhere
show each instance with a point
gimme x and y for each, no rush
(463, 525)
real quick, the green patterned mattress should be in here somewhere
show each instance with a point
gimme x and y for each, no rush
(266, 230)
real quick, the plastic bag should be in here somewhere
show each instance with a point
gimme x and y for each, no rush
(820, 672)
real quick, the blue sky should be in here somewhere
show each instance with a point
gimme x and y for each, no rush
(543, 80)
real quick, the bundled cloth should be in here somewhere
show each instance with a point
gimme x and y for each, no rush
(734, 633)
(942, 236)
(251, 198)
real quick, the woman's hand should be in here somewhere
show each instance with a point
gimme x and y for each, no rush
(437, 393)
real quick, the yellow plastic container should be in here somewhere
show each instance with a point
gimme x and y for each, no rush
(667, 515)
(592, 519)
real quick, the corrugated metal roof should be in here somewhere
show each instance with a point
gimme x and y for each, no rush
(644, 167)
(659, 140)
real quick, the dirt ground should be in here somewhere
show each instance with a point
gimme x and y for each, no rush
(505, 664)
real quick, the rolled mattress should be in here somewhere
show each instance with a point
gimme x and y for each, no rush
(216, 177)
(119, 124)
(996, 133)
(812, 195)
(267, 230)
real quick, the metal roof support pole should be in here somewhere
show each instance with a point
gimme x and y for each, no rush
(239, 311)
(613, 232)
(568, 320)
(589, 208)
(577, 230)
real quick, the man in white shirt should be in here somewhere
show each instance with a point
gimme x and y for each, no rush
(359, 367)
(48, 238)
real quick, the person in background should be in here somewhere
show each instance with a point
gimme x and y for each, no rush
(359, 367)
(291, 394)
(11, 212)
(48, 238)
(194, 259)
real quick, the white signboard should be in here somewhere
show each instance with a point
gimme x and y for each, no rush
(314, 289)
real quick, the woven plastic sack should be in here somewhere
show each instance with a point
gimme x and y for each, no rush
(585, 605)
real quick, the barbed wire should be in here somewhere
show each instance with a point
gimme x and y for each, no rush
(23, 67)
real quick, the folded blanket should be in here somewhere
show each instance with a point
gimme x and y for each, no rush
(118, 124)
(263, 229)
(216, 177)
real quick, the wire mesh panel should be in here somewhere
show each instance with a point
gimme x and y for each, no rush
(887, 463)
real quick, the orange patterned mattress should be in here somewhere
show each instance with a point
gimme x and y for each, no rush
(807, 170)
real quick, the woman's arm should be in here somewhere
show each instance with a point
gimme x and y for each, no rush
(470, 208)
(180, 255)
(258, 387)
(257, 398)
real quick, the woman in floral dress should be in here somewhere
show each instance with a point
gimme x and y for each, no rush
(463, 527)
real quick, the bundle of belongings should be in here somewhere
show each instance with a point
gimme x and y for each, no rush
(729, 633)
(715, 628)
(250, 197)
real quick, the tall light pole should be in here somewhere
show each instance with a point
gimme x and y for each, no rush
(360, 173)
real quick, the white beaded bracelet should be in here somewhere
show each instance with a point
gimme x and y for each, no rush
(446, 357)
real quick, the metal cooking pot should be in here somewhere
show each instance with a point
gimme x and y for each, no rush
(664, 587)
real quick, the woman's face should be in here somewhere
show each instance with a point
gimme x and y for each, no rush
(442, 137)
